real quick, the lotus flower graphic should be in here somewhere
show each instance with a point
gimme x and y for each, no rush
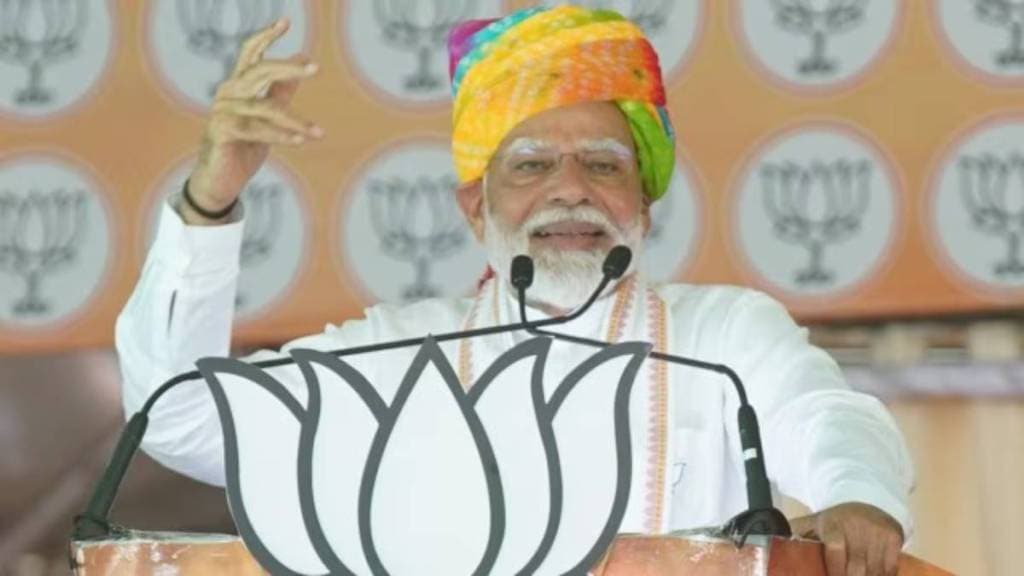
(509, 477)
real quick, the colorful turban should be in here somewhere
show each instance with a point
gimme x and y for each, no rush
(506, 70)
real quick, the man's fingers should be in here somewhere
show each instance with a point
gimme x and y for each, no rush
(260, 76)
(856, 565)
(253, 48)
(891, 558)
(858, 539)
(835, 557)
(273, 115)
(874, 553)
(281, 93)
(253, 130)
(858, 544)
(259, 79)
(834, 542)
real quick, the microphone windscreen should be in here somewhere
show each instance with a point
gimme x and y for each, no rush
(522, 271)
(617, 261)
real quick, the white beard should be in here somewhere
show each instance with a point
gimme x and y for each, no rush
(561, 279)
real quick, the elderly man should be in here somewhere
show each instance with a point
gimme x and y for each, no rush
(562, 143)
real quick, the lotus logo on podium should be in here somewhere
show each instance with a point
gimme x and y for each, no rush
(507, 477)
(788, 187)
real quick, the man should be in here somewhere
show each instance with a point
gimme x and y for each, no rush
(561, 143)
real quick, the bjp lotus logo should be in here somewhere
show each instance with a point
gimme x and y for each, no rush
(508, 477)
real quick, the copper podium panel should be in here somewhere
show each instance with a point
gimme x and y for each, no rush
(146, 553)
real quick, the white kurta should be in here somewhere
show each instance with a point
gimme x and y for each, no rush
(824, 444)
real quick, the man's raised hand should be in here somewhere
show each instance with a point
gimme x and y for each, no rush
(249, 115)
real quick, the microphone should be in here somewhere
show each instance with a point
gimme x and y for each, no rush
(94, 523)
(615, 263)
(761, 516)
(521, 274)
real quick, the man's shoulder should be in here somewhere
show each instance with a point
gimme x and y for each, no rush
(387, 321)
(730, 321)
(430, 315)
(713, 298)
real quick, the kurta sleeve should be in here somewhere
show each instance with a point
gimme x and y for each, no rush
(824, 443)
(181, 310)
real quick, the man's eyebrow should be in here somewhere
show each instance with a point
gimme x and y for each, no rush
(606, 144)
(525, 144)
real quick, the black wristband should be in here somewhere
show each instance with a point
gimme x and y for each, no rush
(202, 211)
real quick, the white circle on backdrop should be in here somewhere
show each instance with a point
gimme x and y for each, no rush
(673, 27)
(675, 229)
(274, 240)
(815, 211)
(400, 231)
(816, 44)
(985, 34)
(399, 48)
(52, 55)
(55, 240)
(193, 44)
(977, 206)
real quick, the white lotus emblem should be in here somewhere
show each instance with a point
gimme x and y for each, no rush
(496, 480)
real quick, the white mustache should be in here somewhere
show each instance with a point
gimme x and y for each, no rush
(584, 215)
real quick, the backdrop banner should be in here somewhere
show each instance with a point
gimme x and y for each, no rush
(854, 159)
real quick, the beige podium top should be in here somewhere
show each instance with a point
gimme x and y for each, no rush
(694, 555)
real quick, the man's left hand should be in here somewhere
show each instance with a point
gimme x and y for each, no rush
(859, 539)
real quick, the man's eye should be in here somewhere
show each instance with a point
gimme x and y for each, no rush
(532, 166)
(604, 167)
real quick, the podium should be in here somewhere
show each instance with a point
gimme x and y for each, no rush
(630, 555)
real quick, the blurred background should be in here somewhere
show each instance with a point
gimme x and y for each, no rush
(860, 160)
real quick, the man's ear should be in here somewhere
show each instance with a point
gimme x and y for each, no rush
(470, 197)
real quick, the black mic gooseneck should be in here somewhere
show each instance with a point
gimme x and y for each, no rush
(94, 522)
(761, 516)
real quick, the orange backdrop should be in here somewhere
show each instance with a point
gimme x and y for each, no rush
(863, 162)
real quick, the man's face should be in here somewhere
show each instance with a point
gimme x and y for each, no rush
(564, 187)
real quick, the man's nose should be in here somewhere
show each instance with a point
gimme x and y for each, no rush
(570, 185)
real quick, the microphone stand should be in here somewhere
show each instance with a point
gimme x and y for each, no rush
(761, 516)
(93, 523)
